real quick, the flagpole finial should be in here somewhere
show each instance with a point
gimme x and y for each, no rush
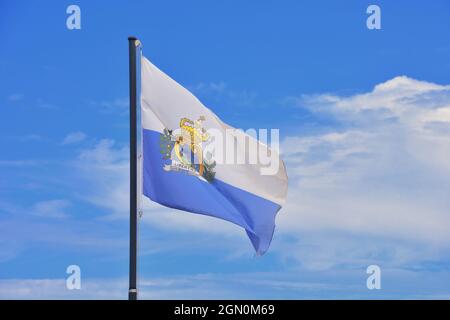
(137, 43)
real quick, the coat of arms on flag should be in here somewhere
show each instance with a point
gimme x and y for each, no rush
(183, 149)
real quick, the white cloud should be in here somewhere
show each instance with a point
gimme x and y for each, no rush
(74, 137)
(23, 227)
(221, 93)
(211, 87)
(344, 284)
(51, 208)
(184, 287)
(31, 137)
(118, 106)
(41, 103)
(41, 289)
(104, 173)
(402, 99)
(15, 97)
(378, 188)
(21, 163)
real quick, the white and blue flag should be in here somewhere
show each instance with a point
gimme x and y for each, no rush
(194, 162)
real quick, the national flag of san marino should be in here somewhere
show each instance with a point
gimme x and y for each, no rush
(194, 162)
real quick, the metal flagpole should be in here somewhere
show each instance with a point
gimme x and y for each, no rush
(132, 292)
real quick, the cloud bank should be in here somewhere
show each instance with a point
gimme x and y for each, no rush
(377, 188)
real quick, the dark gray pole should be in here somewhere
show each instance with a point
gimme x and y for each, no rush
(132, 292)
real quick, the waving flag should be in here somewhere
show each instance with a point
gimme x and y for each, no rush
(182, 171)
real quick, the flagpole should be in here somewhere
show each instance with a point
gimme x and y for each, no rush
(132, 292)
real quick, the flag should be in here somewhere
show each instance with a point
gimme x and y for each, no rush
(181, 170)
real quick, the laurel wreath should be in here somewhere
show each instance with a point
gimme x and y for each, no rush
(167, 142)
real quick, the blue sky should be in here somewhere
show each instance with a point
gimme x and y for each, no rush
(365, 132)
